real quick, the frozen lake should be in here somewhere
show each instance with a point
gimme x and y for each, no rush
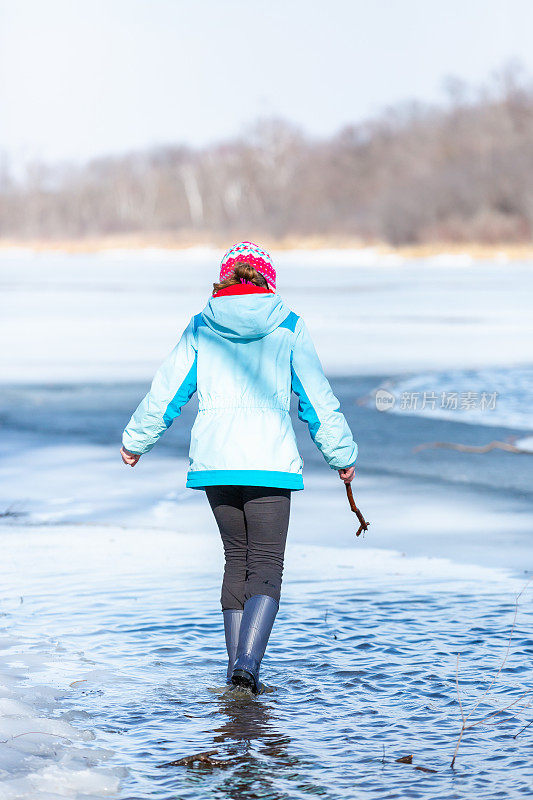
(113, 316)
(110, 633)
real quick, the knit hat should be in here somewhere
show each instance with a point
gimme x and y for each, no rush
(252, 254)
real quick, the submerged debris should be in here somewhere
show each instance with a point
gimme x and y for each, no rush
(12, 513)
(204, 759)
(405, 760)
(409, 760)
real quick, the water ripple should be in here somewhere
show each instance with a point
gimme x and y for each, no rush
(355, 680)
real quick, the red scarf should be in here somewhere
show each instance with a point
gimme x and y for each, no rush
(242, 288)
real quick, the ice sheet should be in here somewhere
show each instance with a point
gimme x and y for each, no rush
(114, 316)
(42, 754)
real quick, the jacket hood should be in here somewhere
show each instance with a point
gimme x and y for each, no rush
(248, 316)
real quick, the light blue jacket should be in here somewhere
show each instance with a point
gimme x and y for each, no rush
(243, 355)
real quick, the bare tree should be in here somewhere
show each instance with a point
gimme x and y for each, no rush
(415, 173)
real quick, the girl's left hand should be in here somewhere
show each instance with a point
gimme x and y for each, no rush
(129, 458)
(347, 475)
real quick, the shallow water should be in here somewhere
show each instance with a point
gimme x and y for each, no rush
(360, 670)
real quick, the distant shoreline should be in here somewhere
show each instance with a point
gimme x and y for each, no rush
(471, 250)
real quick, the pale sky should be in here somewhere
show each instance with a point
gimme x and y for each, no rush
(85, 77)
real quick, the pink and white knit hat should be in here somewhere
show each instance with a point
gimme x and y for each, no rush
(252, 254)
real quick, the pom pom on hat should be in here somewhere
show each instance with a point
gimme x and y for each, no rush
(252, 254)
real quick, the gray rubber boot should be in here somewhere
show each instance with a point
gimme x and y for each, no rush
(257, 621)
(232, 626)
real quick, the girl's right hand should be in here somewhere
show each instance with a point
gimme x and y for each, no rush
(129, 458)
(347, 474)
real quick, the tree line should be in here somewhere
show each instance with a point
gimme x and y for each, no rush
(456, 172)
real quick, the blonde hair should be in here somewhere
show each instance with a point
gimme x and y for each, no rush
(242, 271)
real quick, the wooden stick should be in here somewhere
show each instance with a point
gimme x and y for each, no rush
(363, 526)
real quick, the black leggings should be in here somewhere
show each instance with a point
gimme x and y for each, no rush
(253, 523)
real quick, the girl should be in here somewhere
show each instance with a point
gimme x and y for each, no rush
(244, 354)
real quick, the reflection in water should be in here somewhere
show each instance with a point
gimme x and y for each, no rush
(252, 742)
(247, 719)
(255, 753)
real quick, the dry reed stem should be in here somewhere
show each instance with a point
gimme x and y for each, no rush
(470, 448)
(464, 719)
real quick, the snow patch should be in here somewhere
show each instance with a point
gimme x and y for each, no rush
(41, 753)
